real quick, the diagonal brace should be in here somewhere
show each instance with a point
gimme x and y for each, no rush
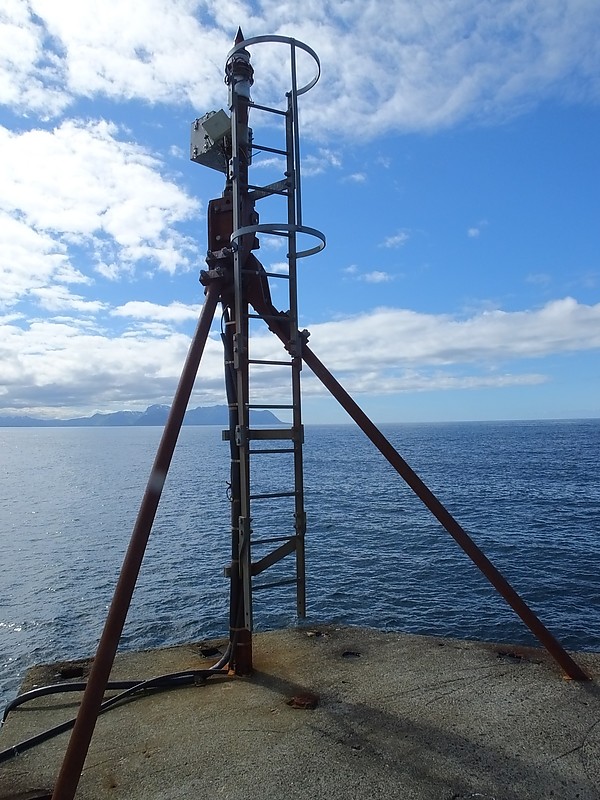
(278, 323)
(72, 765)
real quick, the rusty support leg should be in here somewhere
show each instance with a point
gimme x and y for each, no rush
(68, 778)
(440, 512)
(460, 536)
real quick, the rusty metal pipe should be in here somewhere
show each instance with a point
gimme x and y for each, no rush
(279, 324)
(460, 536)
(70, 772)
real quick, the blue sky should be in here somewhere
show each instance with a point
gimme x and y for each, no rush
(450, 156)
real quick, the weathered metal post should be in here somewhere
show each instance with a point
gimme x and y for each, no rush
(239, 77)
(81, 736)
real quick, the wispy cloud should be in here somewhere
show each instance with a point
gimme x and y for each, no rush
(356, 177)
(376, 276)
(323, 159)
(144, 310)
(369, 276)
(397, 240)
(475, 230)
(538, 279)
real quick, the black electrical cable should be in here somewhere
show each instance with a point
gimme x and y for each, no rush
(80, 686)
(224, 660)
(168, 681)
(58, 688)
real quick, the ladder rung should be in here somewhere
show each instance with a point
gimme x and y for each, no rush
(268, 405)
(266, 495)
(273, 585)
(272, 450)
(267, 108)
(285, 275)
(274, 363)
(264, 149)
(275, 433)
(255, 272)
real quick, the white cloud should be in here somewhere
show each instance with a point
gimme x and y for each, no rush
(396, 350)
(407, 65)
(401, 381)
(272, 242)
(28, 259)
(373, 276)
(79, 188)
(397, 240)
(423, 65)
(59, 298)
(279, 267)
(538, 279)
(376, 276)
(317, 163)
(125, 50)
(144, 310)
(490, 337)
(31, 73)
(75, 365)
(74, 368)
(356, 177)
(475, 230)
(275, 163)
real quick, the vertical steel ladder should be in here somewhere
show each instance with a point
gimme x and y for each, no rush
(261, 537)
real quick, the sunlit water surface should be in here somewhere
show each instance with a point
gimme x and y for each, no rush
(528, 493)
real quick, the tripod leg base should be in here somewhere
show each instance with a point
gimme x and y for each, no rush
(241, 656)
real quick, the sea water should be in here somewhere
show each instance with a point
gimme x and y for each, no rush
(527, 492)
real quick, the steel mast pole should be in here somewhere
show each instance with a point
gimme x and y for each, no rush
(239, 75)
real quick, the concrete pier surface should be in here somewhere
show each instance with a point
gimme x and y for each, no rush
(397, 716)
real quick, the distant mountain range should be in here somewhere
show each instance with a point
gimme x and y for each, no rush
(153, 415)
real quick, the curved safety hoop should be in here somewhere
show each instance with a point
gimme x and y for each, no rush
(293, 43)
(283, 229)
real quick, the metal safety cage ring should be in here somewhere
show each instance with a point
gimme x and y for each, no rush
(284, 229)
(293, 43)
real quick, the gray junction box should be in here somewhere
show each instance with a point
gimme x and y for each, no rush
(208, 135)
